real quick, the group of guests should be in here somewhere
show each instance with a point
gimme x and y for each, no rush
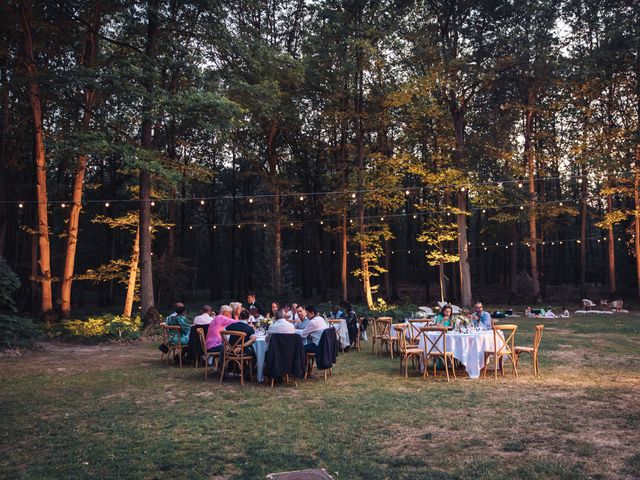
(479, 317)
(303, 320)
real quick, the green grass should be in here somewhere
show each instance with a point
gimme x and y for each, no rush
(82, 414)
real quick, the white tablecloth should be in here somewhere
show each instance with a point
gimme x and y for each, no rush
(467, 348)
(260, 347)
(343, 332)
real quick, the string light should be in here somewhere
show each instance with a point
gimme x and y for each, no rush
(251, 200)
(63, 205)
(519, 184)
(301, 198)
(153, 204)
(407, 192)
(201, 202)
(20, 205)
(353, 195)
(106, 204)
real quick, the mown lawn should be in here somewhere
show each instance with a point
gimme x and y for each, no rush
(115, 412)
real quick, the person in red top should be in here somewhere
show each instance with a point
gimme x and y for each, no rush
(219, 323)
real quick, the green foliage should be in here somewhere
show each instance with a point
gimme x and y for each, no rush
(434, 235)
(9, 285)
(17, 332)
(101, 328)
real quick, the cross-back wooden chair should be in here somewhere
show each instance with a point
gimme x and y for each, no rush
(335, 323)
(171, 334)
(503, 347)
(382, 334)
(435, 346)
(533, 351)
(406, 350)
(233, 352)
(415, 327)
(207, 355)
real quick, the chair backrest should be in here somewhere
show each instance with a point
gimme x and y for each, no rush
(538, 337)
(504, 338)
(617, 304)
(172, 333)
(383, 326)
(401, 334)
(233, 343)
(415, 327)
(335, 322)
(435, 344)
(203, 342)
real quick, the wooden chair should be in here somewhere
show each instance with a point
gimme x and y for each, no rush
(503, 347)
(170, 333)
(533, 351)
(406, 350)
(336, 323)
(233, 352)
(415, 330)
(311, 358)
(382, 334)
(617, 305)
(207, 355)
(434, 350)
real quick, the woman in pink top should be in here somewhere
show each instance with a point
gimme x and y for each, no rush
(219, 323)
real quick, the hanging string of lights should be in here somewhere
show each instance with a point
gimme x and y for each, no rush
(302, 196)
(484, 246)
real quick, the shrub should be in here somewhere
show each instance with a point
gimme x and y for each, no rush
(9, 285)
(101, 328)
(17, 332)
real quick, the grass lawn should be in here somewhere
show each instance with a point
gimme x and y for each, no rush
(112, 411)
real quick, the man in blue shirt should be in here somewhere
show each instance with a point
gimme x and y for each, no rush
(481, 318)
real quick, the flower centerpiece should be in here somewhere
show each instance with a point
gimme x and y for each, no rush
(421, 315)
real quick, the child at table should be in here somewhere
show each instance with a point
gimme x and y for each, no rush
(445, 317)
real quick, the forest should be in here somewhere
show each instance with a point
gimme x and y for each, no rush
(165, 150)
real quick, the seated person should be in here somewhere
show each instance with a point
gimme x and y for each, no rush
(313, 331)
(294, 310)
(205, 317)
(236, 308)
(480, 318)
(272, 312)
(445, 317)
(219, 323)
(175, 308)
(565, 313)
(254, 315)
(351, 318)
(336, 313)
(180, 320)
(288, 314)
(303, 320)
(245, 316)
(249, 339)
(281, 325)
(549, 314)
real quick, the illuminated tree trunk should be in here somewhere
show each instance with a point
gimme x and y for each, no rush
(87, 60)
(531, 167)
(44, 261)
(146, 266)
(277, 247)
(133, 271)
(461, 218)
(583, 238)
(611, 248)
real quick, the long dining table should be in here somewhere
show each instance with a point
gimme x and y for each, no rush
(468, 348)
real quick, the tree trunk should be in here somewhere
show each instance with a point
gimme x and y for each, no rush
(461, 218)
(146, 266)
(44, 260)
(611, 249)
(531, 167)
(636, 202)
(583, 237)
(133, 271)
(4, 129)
(513, 264)
(277, 248)
(87, 60)
(343, 257)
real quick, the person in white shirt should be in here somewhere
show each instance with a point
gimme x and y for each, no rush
(281, 325)
(205, 316)
(313, 331)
